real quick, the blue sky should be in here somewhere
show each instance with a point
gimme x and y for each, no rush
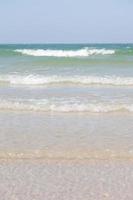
(66, 21)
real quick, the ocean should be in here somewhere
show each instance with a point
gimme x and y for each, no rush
(66, 100)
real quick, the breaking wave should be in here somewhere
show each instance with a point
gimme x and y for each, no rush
(85, 52)
(56, 79)
(63, 105)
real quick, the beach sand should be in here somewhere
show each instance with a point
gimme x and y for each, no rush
(66, 180)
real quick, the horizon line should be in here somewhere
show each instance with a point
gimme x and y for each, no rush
(27, 43)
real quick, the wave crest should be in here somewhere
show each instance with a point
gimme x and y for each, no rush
(85, 52)
(61, 105)
(54, 79)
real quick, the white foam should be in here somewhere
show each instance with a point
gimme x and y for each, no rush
(85, 52)
(60, 105)
(58, 79)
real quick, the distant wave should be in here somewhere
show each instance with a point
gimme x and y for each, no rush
(64, 105)
(56, 79)
(85, 52)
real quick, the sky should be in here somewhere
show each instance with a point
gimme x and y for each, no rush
(66, 21)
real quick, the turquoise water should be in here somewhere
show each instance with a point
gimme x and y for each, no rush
(66, 101)
(66, 77)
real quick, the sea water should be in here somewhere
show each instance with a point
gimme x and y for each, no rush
(66, 100)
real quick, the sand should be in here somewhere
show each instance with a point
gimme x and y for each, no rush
(66, 179)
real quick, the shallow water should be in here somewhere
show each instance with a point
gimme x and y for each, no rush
(66, 101)
(66, 136)
(66, 78)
